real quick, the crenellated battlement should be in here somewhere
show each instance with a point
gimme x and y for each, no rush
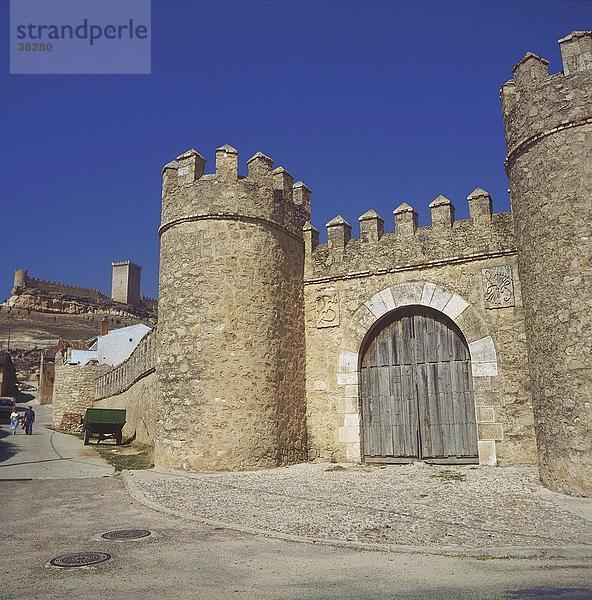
(265, 194)
(409, 246)
(23, 281)
(125, 263)
(536, 104)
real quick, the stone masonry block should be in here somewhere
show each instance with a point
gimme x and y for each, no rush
(440, 298)
(490, 431)
(350, 405)
(485, 415)
(364, 317)
(487, 455)
(409, 292)
(387, 298)
(347, 378)
(483, 350)
(471, 325)
(352, 452)
(427, 293)
(487, 398)
(351, 391)
(376, 305)
(351, 420)
(484, 369)
(348, 362)
(455, 307)
(348, 435)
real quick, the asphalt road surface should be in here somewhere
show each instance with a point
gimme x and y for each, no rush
(46, 454)
(64, 506)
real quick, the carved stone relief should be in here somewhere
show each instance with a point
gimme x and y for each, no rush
(498, 287)
(327, 306)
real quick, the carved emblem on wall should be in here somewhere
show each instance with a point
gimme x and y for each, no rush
(328, 308)
(498, 287)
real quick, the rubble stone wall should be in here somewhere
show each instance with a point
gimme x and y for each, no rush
(132, 386)
(138, 400)
(73, 393)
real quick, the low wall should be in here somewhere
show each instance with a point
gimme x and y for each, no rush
(139, 402)
(132, 386)
(73, 393)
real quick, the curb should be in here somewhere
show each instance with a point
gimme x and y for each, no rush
(571, 552)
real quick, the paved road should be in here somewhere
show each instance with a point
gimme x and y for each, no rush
(47, 454)
(44, 518)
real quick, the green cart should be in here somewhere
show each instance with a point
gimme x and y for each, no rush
(103, 423)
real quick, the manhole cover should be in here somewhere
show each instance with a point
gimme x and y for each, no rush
(80, 559)
(126, 534)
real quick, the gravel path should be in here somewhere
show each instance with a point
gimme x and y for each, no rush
(462, 507)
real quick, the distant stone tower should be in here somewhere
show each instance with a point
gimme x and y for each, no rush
(231, 331)
(20, 281)
(548, 124)
(125, 282)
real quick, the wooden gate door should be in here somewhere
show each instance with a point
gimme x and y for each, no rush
(417, 391)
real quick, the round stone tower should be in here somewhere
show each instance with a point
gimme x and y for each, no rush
(231, 317)
(548, 125)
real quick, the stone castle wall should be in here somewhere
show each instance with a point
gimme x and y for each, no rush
(548, 122)
(73, 393)
(140, 363)
(230, 333)
(139, 402)
(58, 288)
(132, 386)
(466, 269)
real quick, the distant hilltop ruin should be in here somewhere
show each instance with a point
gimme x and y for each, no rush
(41, 314)
(30, 293)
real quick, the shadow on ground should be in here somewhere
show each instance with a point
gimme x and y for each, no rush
(550, 593)
(7, 448)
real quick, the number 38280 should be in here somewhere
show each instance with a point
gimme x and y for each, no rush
(35, 47)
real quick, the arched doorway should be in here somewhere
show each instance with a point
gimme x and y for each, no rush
(416, 390)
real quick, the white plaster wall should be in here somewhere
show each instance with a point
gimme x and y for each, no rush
(117, 345)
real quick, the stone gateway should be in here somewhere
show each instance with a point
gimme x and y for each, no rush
(426, 343)
(462, 341)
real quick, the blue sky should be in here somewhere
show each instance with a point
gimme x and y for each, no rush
(371, 103)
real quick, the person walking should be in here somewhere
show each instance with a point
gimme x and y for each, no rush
(14, 421)
(29, 420)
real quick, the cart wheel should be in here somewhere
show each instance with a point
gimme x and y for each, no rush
(86, 437)
(118, 438)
